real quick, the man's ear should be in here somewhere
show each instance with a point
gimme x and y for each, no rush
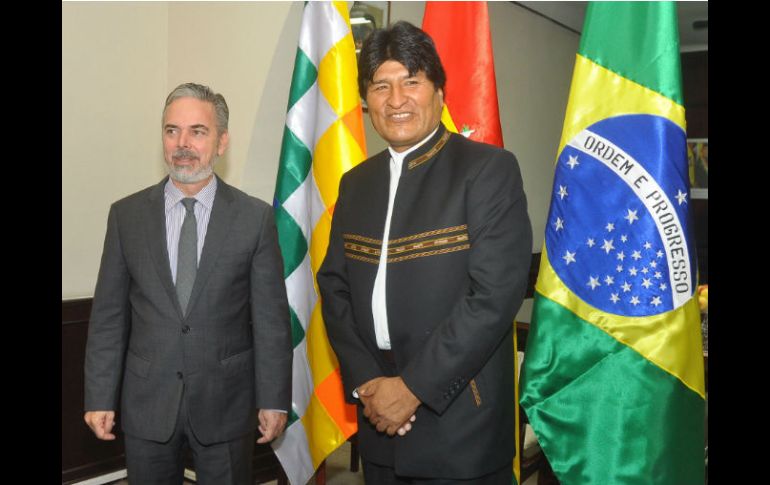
(224, 142)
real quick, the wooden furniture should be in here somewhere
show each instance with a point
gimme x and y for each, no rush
(82, 455)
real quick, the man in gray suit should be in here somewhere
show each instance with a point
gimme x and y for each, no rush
(190, 322)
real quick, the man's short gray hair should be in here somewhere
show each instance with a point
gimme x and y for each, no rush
(203, 93)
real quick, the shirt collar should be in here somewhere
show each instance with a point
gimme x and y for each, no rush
(398, 158)
(205, 197)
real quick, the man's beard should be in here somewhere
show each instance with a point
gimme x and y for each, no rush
(184, 174)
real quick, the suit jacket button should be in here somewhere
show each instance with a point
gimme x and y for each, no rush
(185, 329)
(179, 375)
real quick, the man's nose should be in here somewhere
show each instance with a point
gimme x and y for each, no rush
(184, 140)
(397, 97)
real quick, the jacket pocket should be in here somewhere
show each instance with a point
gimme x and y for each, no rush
(138, 365)
(238, 363)
(242, 258)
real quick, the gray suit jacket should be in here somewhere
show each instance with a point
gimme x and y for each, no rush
(231, 353)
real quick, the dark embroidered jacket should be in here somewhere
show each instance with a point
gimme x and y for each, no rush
(458, 260)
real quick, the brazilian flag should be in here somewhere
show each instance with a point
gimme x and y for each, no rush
(613, 380)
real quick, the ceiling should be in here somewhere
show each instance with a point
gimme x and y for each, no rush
(571, 14)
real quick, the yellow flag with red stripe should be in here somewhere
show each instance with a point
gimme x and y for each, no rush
(461, 33)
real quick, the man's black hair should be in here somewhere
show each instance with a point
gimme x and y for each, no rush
(404, 43)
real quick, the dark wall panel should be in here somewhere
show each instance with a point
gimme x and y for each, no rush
(695, 84)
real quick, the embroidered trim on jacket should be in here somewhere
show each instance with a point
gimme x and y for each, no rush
(363, 249)
(476, 395)
(426, 234)
(362, 258)
(453, 239)
(429, 154)
(369, 250)
(431, 243)
(356, 237)
(429, 253)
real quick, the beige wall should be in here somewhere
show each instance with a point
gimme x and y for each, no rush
(246, 52)
(534, 59)
(114, 78)
(121, 59)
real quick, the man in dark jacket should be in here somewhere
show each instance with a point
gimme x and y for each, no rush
(427, 265)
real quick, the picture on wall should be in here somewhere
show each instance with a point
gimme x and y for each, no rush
(364, 18)
(698, 162)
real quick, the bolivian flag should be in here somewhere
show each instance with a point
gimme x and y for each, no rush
(323, 138)
(613, 379)
(460, 31)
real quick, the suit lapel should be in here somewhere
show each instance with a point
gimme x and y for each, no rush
(222, 215)
(155, 227)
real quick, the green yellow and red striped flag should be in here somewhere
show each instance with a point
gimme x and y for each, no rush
(461, 33)
(322, 139)
(613, 380)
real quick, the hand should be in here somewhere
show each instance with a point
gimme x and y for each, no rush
(101, 423)
(388, 404)
(271, 424)
(406, 427)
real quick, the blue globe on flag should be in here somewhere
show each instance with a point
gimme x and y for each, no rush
(618, 220)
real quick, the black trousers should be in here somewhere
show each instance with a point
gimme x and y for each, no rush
(385, 475)
(155, 463)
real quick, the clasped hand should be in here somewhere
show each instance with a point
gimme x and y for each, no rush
(389, 404)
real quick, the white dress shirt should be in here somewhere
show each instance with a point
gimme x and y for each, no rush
(175, 213)
(379, 300)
